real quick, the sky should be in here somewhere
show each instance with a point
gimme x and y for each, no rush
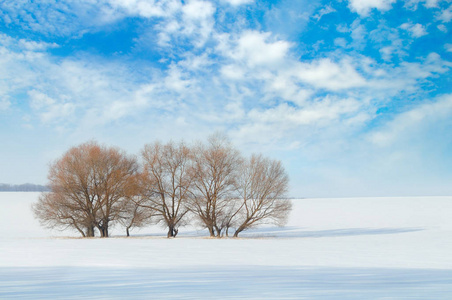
(353, 96)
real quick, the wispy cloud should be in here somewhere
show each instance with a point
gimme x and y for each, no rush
(445, 15)
(416, 30)
(426, 3)
(238, 2)
(196, 66)
(324, 11)
(407, 124)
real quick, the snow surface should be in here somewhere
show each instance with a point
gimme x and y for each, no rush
(356, 248)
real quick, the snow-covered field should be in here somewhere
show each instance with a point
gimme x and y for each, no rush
(357, 248)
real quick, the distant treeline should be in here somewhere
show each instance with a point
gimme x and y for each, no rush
(26, 187)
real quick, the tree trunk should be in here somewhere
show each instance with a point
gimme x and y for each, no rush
(90, 231)
(103, 228)
(127, 231)
(172, 231)
(103, 231)
(211, 231)
(218, 232)
(240, 229)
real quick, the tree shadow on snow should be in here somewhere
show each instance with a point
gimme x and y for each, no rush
(296, 232)
(286, 232)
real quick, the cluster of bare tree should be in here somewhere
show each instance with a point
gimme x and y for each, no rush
(95, 187)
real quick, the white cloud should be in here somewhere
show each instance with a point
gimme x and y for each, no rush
(24, 45)
(285, 87)
(176, 80)
(341, 42)
(257, 49)
(39, 100)
(238, 2)
(358, 33)
(389, 41)
(442, 27)
(144, 8)
(60, 18)
(445, 15)
(324, 11)
(204, 90)
(448, 47)
(298, 83)
(427, 3)
(192, 20)
(36, 46)
(264, 93)
(324, 73)
(167, 31)
(198, 21)
(15, 67)
(123, 108)
(416, 30)
(387, 52)
(198, 10)
(76, 18)
(431, 65)
(232, 72)
(313, 127)
(65, 91)
(431, 3)
(363, 7)
(197, 62)
(49, 109)
(406, 123)
(321, 112)
(389, 81)
(288, 18)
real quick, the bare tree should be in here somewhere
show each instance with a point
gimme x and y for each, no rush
(262, 186)
(228, 216)
(167, 183)
(89, 185)
(135, 214)
(53, 211)
(214, 171)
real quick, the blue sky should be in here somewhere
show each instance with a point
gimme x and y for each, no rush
(354, 96)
